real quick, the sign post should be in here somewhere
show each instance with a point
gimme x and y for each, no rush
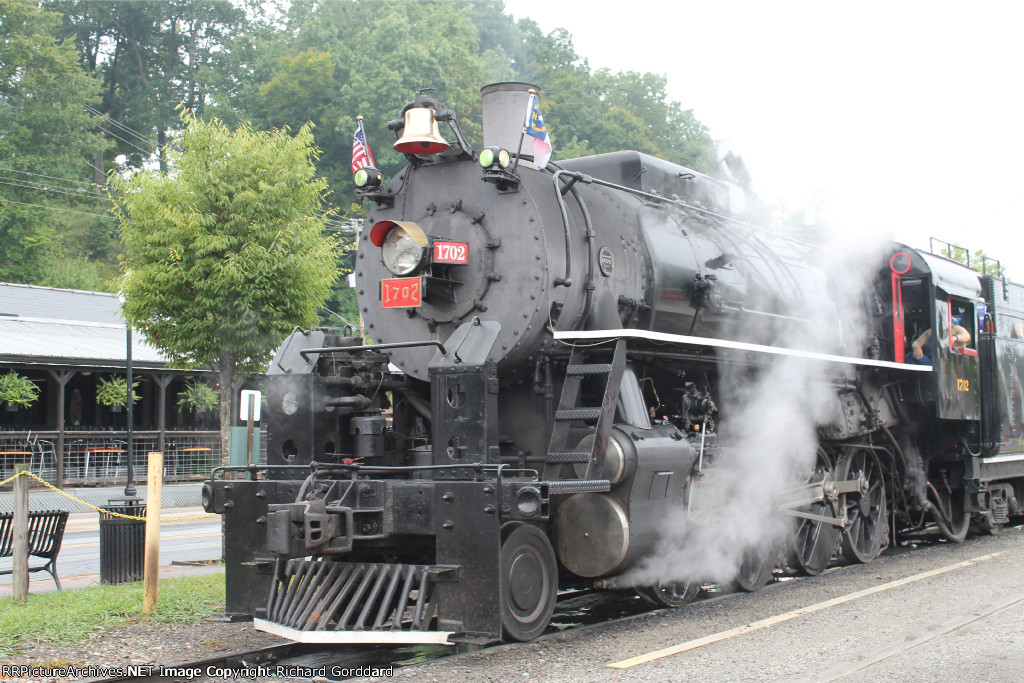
(249, 410)
(151, 564)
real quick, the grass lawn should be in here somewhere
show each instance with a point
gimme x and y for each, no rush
(72, 616)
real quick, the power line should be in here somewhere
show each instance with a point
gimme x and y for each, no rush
(150, 152)
(51, 177)
(120, 125)
(42, 188)
(54, 208)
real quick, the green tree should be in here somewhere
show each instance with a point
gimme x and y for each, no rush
(45, 137)
(337, 60)
(153, 57)
(226, 254)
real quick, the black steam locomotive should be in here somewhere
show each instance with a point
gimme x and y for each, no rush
(563, 362)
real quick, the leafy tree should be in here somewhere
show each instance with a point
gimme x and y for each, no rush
(337, 60)
(224, 256)
(45, 136)
(153, 57)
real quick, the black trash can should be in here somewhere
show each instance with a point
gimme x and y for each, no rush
(122, 542)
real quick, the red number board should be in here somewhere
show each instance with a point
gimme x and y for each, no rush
(451, 252)
(401, 292)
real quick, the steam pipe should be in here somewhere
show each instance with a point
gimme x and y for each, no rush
(940, 517)
(307, 482)
(358, 401)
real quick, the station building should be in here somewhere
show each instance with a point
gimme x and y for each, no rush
(69, 343)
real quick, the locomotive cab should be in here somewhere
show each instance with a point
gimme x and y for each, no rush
(930, 296)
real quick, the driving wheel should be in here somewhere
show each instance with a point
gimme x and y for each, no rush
(813, 542)
(755, 569)
(867, 525)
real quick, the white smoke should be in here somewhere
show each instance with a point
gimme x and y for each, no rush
(770, 415)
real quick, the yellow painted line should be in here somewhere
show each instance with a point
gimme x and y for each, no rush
(162, 538)
(779, 618)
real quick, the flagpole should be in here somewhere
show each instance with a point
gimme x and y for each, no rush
(526, 122)
(362, 325)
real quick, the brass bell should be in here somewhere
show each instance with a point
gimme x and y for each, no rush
(421, 134)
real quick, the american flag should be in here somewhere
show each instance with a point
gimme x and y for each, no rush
(361, 156)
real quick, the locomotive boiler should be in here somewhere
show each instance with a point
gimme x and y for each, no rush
(553, 381)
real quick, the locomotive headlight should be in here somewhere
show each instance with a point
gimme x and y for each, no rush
(490, 155)
(367, 177)
(402, 254)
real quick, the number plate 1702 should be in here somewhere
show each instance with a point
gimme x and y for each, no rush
(451, 252)
(401, 292)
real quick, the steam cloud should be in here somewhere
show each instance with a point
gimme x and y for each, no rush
(770, 416)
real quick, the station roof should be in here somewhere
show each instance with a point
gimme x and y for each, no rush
(70, 327)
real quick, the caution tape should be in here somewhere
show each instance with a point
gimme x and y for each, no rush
(104, 511)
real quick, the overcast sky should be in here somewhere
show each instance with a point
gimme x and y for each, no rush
(896, 118)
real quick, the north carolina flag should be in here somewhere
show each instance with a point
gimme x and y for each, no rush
(535, 128)
(361, 156)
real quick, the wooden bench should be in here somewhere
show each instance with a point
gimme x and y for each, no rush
(45, 534)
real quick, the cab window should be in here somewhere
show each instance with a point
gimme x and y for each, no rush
(960, 318)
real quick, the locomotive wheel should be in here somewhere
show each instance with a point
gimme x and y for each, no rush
(529, 583)
(952, 506)
(813, 543)
(865, 510)
(755, 569)
(674, 594)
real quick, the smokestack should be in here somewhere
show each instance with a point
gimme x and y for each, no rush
(504, 112)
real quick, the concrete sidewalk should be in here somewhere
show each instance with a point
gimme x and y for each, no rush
(90, 521)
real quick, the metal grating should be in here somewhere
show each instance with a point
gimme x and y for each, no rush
(323, 595)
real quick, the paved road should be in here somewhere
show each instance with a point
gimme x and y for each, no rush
(78, 564)
(938, 613)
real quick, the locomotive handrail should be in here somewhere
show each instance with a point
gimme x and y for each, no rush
(287, 343)
(250, 469)
(305, 353)
(583, 177)
(565, 281)
(479, 466)
(588, 225)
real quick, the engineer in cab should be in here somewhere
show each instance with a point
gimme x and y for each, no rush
(921, 350)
